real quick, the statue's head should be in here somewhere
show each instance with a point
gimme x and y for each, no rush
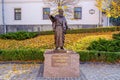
(61, 12)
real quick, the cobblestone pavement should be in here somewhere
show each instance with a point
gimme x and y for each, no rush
(18, 71)
(99, 71)
(90, 71)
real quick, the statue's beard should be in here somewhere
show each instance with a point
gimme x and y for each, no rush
(61, 15)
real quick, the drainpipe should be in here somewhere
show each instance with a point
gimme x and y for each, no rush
(108, 21)
(99, 18)
(3, 16)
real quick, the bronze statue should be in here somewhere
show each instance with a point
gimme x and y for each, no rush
(60, 26)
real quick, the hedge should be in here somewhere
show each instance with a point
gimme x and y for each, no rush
(20, 35)
(106, 45)
(37, 54)
(116, 36)
(21, 55)
(99, 56)
(85, 30)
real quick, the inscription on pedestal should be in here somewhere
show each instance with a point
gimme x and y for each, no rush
(60, 60)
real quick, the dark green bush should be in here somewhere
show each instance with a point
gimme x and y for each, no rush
(21, 55)
(21, 35)
(99, 56)
(92, 30)
(116, 36)
(85, 30)
(37, 54)
(72, 31)
(46, 32)
(100, 45)
(105, 45)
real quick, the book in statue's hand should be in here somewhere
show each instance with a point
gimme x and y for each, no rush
(52, 18)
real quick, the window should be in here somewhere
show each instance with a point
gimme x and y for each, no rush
(17, 13)
(78, 13)
(46, 11)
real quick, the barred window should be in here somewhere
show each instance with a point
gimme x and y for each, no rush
(78, 13)
(17, 13)
(46, 11)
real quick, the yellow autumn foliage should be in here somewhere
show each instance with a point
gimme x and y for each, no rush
(72, 41)
(83, 43)
(110, 7)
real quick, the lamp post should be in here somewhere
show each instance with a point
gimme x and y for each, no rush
(3, 16)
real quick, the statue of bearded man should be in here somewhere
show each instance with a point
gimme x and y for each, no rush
(60, 26)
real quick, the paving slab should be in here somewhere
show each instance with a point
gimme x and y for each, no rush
(89, 71)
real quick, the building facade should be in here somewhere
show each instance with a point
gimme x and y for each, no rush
(30, 15)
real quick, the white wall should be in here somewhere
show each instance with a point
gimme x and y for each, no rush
(32, 12)
(86, 17)
(21, 1)
(0, 13)
(105, 20)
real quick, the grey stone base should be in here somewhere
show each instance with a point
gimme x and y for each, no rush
(40, 76)
(1, 29)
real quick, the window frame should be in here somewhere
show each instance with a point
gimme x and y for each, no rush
(19, 13)
(45, 14)
(79, 12)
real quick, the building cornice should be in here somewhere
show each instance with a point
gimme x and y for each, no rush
(29, 1)
(22, 1)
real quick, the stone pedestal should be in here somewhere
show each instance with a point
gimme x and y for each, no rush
(61, 63)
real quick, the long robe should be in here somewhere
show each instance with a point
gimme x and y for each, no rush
(59, 27)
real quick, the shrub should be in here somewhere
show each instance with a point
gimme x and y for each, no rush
(85, 30)
(99, 56)
(46, 32)
(116, 36)
(105, 45)
(21, 55)
(21, 35)
(92, 30)
(37, 55)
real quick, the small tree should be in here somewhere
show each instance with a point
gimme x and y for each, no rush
(111, 8)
